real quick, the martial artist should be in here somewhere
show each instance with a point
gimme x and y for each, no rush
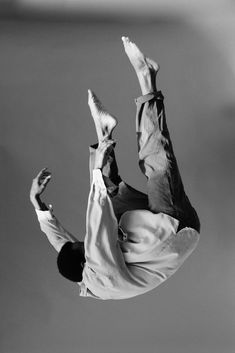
(134, 241)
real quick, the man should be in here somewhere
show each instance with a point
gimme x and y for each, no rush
(133, 241)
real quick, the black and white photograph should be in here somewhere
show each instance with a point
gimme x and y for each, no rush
(118, 176)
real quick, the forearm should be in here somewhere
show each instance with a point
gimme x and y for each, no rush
(55, 232)
(49, 224)
(37, 203)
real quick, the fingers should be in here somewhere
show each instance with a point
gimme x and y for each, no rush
(107, 142)
(43, 176)
(40, 173)
(46, 180)
(106, 145)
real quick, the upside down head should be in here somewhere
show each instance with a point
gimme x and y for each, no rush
(70, 261)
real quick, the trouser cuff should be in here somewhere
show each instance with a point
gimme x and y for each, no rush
(147, 97)
(110, 171)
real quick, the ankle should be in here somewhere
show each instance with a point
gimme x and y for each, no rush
(147, 84)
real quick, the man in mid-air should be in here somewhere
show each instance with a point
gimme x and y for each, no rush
(133, 241)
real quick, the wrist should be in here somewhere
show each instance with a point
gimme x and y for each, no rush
(37, 203)
(33, 197)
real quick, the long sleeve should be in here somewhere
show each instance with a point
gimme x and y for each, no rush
(151, 253)
(106, 275)
(55, 232)
(101, 227)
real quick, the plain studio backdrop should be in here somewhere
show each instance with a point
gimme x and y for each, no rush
(47, 64)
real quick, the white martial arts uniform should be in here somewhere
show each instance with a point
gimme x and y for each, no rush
(116, 267)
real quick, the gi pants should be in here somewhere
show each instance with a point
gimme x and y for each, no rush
(165, 190)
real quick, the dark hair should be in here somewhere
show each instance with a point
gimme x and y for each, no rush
(70, 260)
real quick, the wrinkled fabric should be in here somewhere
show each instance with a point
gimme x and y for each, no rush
(151, 252)
(128, 258)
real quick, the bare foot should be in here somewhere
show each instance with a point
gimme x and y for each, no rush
(145, 68)
(104, 122)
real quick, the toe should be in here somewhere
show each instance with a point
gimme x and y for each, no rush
(90, 95)
(126, 42)
(92, 99)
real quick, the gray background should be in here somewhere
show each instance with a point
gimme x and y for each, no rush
(46, 68)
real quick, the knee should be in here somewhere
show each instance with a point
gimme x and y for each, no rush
(192, 220)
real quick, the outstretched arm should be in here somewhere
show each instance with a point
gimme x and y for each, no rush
(49, 224)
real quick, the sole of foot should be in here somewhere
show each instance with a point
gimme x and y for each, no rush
(104, 122)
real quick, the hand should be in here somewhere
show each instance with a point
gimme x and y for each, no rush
(39, 183)
(102, 153)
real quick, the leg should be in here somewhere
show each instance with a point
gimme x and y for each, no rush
(157, 161)
(105, 124)
(156, 157)
(124, 197)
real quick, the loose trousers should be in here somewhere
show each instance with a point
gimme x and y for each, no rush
(165, 190)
